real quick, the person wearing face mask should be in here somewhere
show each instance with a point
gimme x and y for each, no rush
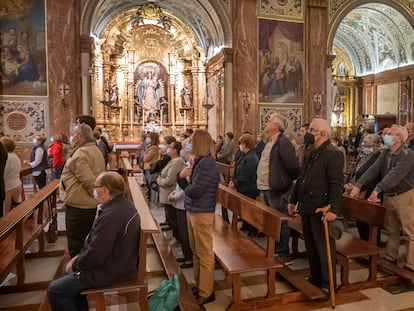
(76, 186)
(245, 174)
(225, 153)
(319, 183)
(38, 160)
(110, 252)
(370, 152)
(395, 169)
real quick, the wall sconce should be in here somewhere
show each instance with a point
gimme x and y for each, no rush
(405, 101)
(317, 99)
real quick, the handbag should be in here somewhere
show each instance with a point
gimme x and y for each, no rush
(165, 298)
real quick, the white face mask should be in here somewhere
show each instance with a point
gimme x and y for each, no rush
(95, 194)
(71, 140)
(241, 148)
(34, 141)
(52, 139)
(148, 140)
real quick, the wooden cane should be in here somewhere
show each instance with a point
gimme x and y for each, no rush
(324, 210)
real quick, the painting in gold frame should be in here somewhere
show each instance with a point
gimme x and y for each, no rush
(281, 62)
(23, 53)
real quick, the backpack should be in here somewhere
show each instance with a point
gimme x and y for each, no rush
(165, 298)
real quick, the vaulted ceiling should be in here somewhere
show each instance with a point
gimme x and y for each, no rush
(374, 37)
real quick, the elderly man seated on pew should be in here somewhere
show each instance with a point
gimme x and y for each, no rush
(395, 169)
(110, 252)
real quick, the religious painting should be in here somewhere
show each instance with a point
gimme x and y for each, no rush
(291, 10)
(21, 120)
(281, 62)
(292, 113)
(23, 48)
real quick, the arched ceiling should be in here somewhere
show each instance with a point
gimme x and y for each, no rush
(373, 37)
(209, 20)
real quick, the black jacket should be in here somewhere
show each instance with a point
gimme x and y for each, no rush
(110, 252)
(321, 181)
(283, 166)
(245, 172)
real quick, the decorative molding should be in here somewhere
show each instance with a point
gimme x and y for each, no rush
(293, 114)
(290, 10)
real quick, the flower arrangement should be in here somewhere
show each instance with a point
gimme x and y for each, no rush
(152, 127)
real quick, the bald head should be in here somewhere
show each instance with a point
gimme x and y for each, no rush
(113, 181)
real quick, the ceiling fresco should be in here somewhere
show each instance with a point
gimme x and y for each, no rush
(375, 37)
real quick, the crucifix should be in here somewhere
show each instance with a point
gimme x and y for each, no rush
(63, 90)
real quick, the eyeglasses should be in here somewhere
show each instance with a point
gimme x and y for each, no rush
(312, 130)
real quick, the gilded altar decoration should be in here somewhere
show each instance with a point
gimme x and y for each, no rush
(291, 10)
(21, 120)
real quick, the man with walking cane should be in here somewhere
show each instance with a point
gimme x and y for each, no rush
(319, 184)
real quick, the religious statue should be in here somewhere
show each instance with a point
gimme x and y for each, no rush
(148, 91)
(164, 110)
(187, 95)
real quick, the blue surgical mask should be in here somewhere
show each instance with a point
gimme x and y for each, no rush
(182, 154)
(388, 140)
(34, 141)
(368, 150)
(169, 151)
(189, 148)
(71, 140)
(52, 139)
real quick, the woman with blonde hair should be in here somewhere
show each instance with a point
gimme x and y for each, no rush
(200, 183)
(12, 180)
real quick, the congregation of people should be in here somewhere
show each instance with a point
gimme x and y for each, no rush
(293, 173)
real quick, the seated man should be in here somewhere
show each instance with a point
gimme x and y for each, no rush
(110, 251)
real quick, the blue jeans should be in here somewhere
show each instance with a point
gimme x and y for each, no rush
(64, 294)
(280, 203)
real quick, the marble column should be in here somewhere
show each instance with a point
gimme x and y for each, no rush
(316, 60)
(244, 69)
(63, 51)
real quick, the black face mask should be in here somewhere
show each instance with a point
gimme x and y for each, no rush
(309, 138)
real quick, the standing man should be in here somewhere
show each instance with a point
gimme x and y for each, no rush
(395, 167)
(278, 168)
(319, 184)
(76, 187)
(110, 252)
(410, 140)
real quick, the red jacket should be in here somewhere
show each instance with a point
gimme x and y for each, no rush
(55, 151)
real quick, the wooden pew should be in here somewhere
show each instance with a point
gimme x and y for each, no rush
(236, 253)
(126, 164)
(18, 231)
(148, 227)
(26, 171)
(226, 171)
(351, 247)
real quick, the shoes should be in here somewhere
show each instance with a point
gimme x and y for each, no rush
(203, 300)
(174, 242)
(327, 294)
(163, 223)
(180, 259)
(195, 291)
(166, 228)
(186, 265)
(285, 259)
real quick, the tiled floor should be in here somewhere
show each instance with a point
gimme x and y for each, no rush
(377, 299)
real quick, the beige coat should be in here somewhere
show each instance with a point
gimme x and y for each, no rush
(79, 173)
(151, 155)
(168, 178)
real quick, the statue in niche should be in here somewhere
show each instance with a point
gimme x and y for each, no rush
(164, 110)
(187, 96)
(148, 91)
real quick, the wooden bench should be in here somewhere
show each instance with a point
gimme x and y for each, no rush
(148, 227)
(126, 164)
(26, 171)
(18, 230)
(351, 247)
(226, 172)
(237, 254)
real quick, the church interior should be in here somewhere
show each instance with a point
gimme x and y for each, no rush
(222, 65)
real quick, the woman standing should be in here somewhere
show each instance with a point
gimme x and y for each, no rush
(11, 175)
(244, 178)
(200, 184)
(38, 160)
(150, 155)
(55, 153)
